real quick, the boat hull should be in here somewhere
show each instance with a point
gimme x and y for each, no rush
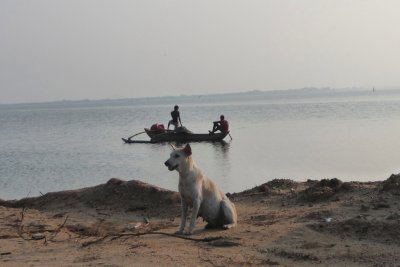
(184, 137)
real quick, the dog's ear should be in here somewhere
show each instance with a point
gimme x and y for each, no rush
(173, 147)
(187, 150)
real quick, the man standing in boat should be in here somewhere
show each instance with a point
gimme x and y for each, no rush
(221, 125)
(176, 118)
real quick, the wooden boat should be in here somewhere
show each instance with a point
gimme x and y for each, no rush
(183, 137)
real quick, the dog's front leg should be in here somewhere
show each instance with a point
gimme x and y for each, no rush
(195, 212)
(184, 209)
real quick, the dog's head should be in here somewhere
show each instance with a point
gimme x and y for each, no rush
(178, 157)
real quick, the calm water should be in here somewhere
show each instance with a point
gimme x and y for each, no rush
(297, 135)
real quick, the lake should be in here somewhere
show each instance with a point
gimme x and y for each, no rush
(296, 134)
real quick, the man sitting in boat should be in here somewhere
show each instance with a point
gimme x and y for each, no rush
(176, 118)
(221, 125)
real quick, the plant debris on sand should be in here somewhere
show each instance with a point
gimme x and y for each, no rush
(281, 223)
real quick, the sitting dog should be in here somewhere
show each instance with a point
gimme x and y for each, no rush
(201, 193)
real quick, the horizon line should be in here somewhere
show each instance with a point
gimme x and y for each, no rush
(304, 89)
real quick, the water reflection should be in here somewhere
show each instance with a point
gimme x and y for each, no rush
(222, 148)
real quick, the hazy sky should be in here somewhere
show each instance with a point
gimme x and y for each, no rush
(76, 49)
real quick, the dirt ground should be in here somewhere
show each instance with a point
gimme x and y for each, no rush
(281, 223)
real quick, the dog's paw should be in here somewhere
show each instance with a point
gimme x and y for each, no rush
(188, 233)
(228, 226)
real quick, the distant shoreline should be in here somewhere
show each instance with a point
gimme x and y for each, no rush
(306, 91)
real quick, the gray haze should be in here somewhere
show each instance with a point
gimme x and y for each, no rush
(76, 49)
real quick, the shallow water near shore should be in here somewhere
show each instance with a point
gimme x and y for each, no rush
(298, 135)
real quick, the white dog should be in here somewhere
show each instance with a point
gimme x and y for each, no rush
(201, 193)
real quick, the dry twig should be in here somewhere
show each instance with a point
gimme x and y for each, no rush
(59, 229)
(20, 226)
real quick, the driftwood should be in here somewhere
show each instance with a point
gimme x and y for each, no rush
(20, 229)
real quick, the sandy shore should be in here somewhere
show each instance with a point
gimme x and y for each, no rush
(281, 223)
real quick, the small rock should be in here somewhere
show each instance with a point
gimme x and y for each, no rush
(38, 236)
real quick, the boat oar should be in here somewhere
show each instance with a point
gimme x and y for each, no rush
(230, 136)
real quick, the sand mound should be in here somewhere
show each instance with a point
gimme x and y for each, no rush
(116, 194)
(282, 184)
(392, 184)
(270, 187)
(324, 190)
